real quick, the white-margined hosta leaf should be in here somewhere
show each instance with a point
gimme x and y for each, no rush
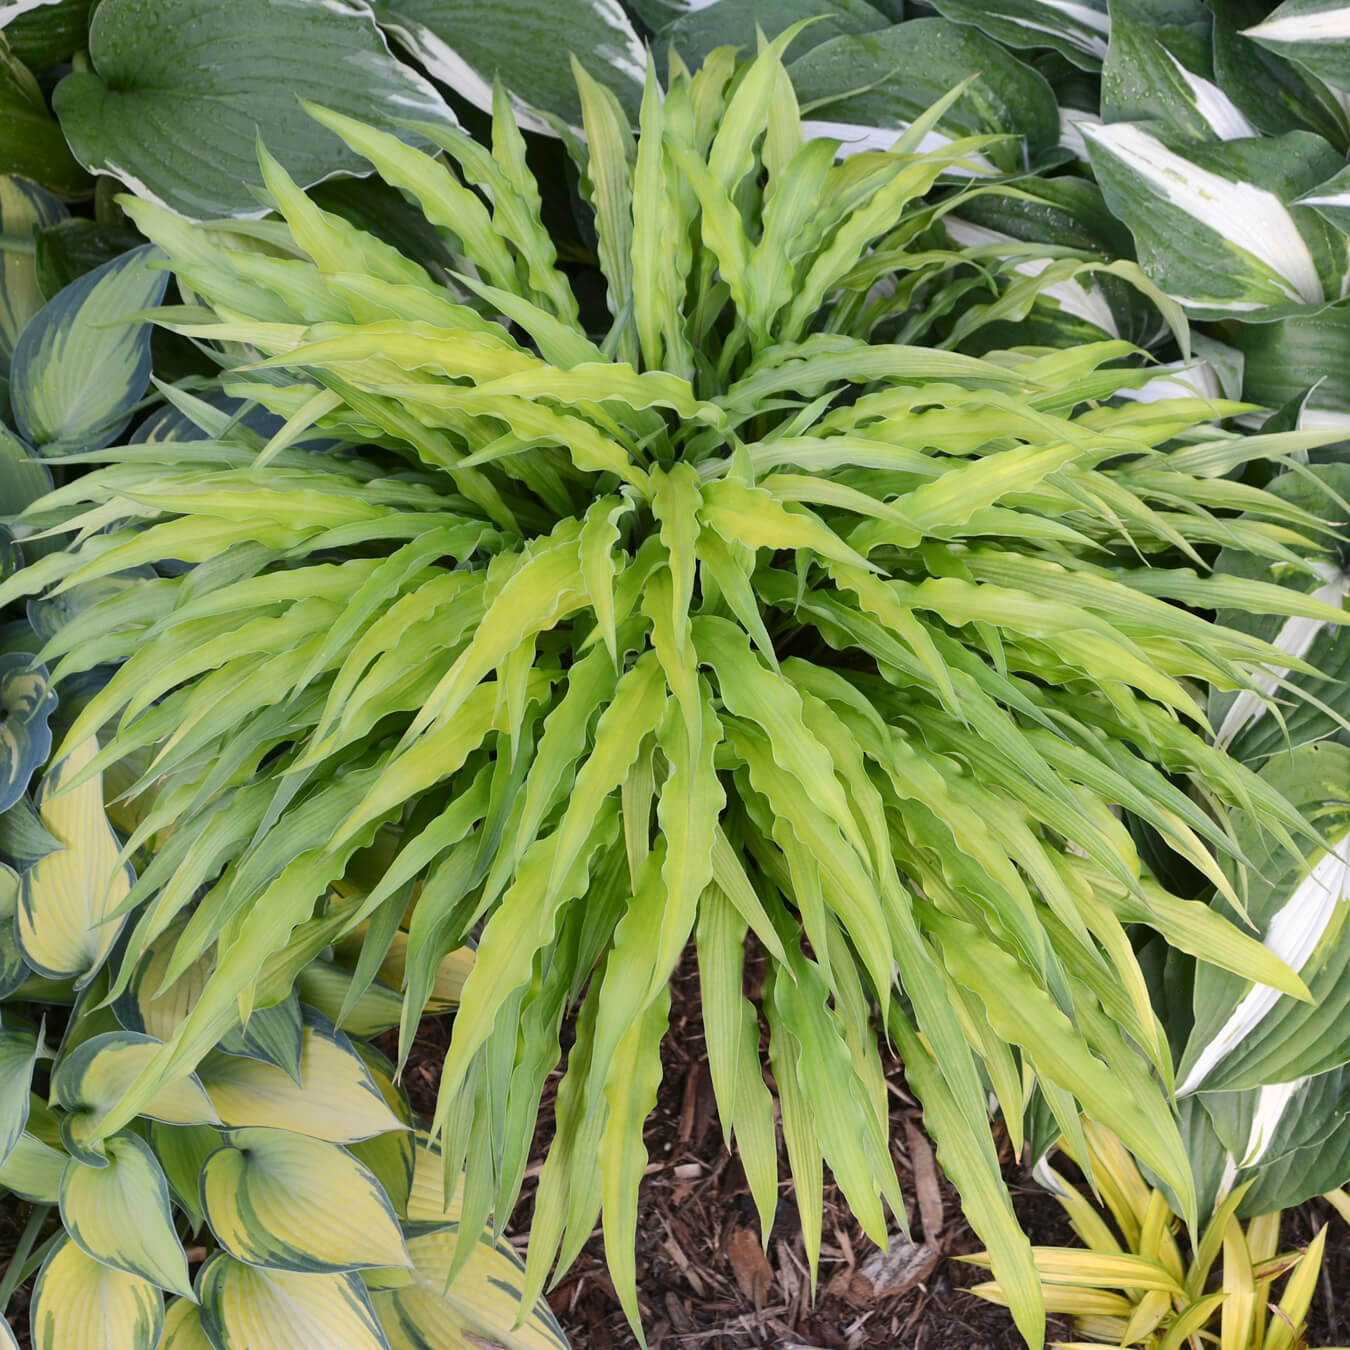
(67, 920)
(184, 63)
(82, 364)
(753, 602)
(245, 1308)
(1215, 224)
(80, 1301)
(120, 1214)
(470, 44)
(1078, 29)
(278, 1199)
(1247, 1035)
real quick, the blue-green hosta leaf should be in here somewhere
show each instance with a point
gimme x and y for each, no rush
(24, 207)
(18, 1054)
(31, 144)
(480, 1307)
(910, 66)
(120, 1213)
(80, 1301)
(49, 614)
(180, 88)
(1315, 33)
(273, 1035)
(1301, 1174)
(1161, 72)
(281, 1200)
(79, 367)
(67, 899)
(1078, 29)
(703, 27)
(467, 44)
(23, 479)
(1263, 1125)
(182, 1151)
(26, 705)
(244, 1308)
(13, 968)
(1247, 1035)
(1214, 223)
(1304, 354)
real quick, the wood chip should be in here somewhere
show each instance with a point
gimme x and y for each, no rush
(924, 1167)
(895, 1271)
(754, 1274)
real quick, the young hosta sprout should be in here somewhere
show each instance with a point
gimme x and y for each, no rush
(746, 621)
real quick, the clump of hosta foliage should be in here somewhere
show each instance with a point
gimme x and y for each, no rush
(734, 617)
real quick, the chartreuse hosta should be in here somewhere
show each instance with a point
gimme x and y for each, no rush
(1140, 1284)
(745, 622)
(286, 1167)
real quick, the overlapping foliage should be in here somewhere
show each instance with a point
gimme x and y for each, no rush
(746, 620)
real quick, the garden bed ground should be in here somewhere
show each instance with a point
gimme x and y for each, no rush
(703, 1280)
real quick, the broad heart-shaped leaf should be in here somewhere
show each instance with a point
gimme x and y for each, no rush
(1302, 354)
(903, 69)
(66, 899)
(1214, 223)
(46, 33)
(24, 207)
(1248, 1035)
(336, 1099)
(181, 89)
(244, 1308)
(481, 1305)
(80, 367)
(278, 1199)
(1314, 33)
(467, 44)
(120, 1213)
(13, 968)
(1302, 1173)
(26, 705)
(18, 1053)
(81, 1302)
(93, 1077)
(1079, 31)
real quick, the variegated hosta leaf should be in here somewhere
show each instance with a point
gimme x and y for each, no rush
(80, 1301)
(469, 45)
(183, 1329)
(93, 1077)
(14, 969)
(480, 1306)
(754, 611)
(278, 1199)
(391, 1156)
(1215, 224)
(273, 1035)
(1314, 33)
(244, 1308)
(182, 1151)
(326, 987)
(335, 1097)
(1247, 1036)
(23, 479)
(23, 207)
(18, 1054)
(120, 1214)
(1079, 31)
(33, 1170)
(26, 705)
(67, 900)
(224, 80)
(80, 366)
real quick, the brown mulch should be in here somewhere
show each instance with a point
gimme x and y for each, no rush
(703, 1279)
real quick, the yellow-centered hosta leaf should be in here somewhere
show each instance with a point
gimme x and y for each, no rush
(278, 1199)
(78, 1301)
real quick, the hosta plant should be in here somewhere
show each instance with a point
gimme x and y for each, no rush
(1140, 1284)
(286, 1168)
(733, 614)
